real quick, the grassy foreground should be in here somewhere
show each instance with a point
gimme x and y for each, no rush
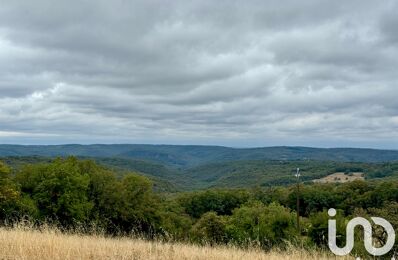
(31, 244)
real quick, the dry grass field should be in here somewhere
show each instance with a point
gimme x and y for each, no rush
(21, 243)
(341, 177)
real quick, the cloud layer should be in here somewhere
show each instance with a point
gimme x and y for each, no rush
(319, 73)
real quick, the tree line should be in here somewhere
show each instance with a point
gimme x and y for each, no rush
(72, 193)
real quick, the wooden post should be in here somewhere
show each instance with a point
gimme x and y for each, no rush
(298, 200)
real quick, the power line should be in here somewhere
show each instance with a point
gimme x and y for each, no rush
(297, 175)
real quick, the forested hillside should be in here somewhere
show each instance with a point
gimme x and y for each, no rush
(75, 194)
(229, 174)
(180, 156)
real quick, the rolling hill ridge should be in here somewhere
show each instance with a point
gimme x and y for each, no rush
(186, 156)
(176, 167)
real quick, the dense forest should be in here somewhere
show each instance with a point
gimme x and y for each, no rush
(228, 174)
(81, 194)
(188, 156)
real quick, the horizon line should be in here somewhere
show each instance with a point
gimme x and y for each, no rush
(204, 145)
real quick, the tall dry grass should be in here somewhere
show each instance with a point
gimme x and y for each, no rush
(28, 243)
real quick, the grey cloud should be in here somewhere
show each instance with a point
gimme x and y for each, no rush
(320, 72)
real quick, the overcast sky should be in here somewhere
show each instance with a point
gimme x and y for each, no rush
(237, 73)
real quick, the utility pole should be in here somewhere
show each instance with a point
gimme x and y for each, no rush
(297, 175)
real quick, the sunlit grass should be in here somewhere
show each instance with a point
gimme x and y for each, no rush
(28, 243)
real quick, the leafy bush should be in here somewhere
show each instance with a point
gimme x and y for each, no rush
(263, 225)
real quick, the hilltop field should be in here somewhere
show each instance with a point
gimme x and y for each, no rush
(235, 209)
(53, 245)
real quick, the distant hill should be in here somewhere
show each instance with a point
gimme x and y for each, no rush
(231, 174)
(165, 179)
(240, 174)
(196, 167)
(187, 156)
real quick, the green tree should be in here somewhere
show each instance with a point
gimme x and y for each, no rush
(223, 202)
(210, 229)
(176, 223)
(136, 206)
(389, 212)
(59, 190)
(318, 229)
(261, 224)
(8, 192)
(103, 192)
(313, 198)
